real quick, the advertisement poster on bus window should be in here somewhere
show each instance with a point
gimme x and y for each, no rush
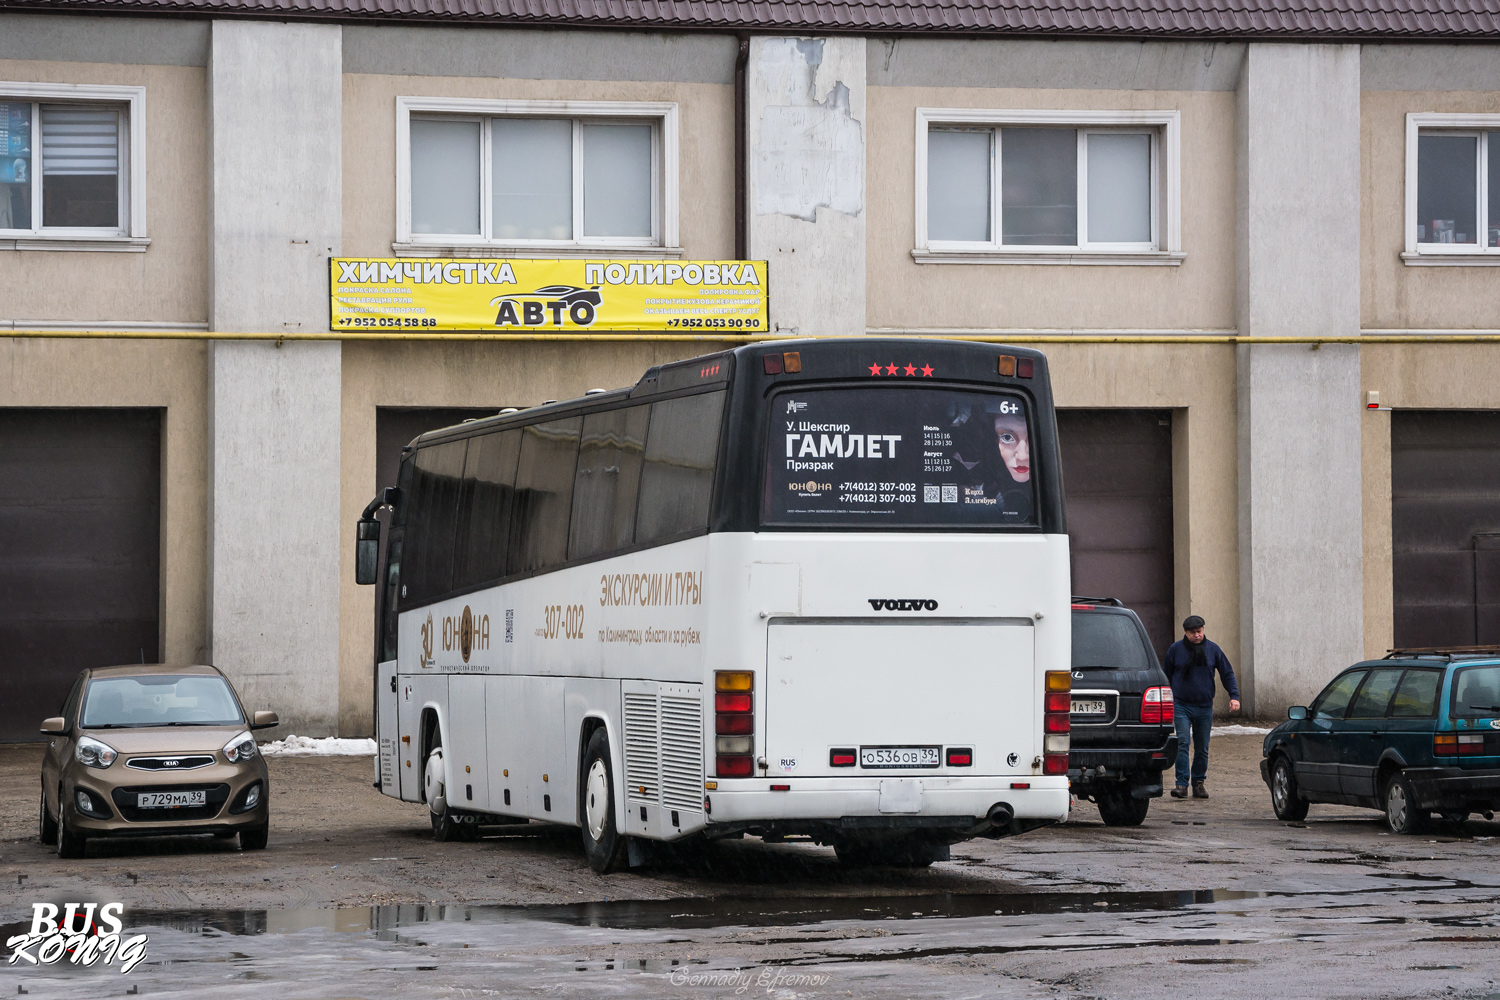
(907, 456)
(547, 296)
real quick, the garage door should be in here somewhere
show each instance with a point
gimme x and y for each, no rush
(80, 513)
(1117, 480)
(1445, 527)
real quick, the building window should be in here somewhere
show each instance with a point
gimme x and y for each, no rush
(1453, 187)
(537, 174)
(1047, 187)
(69, 166)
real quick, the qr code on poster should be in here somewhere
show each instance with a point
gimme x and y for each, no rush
(929, 494)
(950, 494)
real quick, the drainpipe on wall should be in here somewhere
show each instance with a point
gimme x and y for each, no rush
(741, 156)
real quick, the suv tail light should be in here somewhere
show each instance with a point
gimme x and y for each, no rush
(1449, 744)
(734, 723)
(1057, 721)
(1157, 706)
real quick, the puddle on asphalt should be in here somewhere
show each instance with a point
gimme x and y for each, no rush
(654, 914)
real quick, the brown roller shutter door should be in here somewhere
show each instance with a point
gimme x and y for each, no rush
(1445, 526)
(80, 513)
(1117, 485)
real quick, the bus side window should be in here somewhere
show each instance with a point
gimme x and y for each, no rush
(544, 495)
(678, 478)
(609, 476)
(428, 570)
(484, 508)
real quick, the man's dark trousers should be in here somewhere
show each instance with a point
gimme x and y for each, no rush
(1197, 720)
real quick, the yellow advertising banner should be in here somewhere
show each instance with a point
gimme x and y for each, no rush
(547, 296)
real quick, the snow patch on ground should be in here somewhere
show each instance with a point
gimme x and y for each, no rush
(328, 746)
(1233, 730)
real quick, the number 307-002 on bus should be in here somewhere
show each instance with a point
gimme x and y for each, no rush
(811, 588)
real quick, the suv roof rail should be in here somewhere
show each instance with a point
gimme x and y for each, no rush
(1113, 602)
(1442, 652)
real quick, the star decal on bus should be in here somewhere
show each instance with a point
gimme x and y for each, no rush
(911, 369)
(927, 371)
(874, 369)
(890, 369)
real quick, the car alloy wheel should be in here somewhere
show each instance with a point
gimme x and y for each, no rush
(1401, 813)
(1285, 801)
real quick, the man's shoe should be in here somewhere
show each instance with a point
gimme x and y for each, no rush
(1179, 792)
(1199, 792)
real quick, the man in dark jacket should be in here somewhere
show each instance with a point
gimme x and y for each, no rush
(1190, 666)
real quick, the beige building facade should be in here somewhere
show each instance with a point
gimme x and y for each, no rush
(897, 185)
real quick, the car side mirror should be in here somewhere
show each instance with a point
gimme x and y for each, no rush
(1297, 712)
(56, 726)
(264, 720)
(366, 551)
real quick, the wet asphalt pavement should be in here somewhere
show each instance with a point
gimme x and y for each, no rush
(1207, 899)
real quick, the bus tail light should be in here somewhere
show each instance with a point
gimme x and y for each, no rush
(960, 757)
(841, 757)
(1057, 721)
(1157, 706)
(734, 723)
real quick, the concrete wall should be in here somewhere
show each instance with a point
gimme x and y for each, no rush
(276, 91)
(806, 119)
(1301, 547)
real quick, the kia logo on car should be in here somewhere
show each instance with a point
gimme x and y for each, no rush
(904, 604)
(169, 763)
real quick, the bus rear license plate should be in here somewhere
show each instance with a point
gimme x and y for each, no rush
(170, 800)
(1093, 706)
(899, 756)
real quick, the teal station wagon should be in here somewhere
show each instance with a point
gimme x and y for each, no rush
(1415, 733)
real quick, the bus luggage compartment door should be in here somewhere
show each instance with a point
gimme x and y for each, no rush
(900, 694)
(388, 760)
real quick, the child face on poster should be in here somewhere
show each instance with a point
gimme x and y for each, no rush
(1015, 448)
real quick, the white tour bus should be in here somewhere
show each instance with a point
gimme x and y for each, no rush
(815, 588)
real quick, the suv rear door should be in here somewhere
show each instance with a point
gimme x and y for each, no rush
(1113, 663)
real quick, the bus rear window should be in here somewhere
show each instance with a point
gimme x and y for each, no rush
(910, 457)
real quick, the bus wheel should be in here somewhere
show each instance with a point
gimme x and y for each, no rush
(445, 825)
(602, 842)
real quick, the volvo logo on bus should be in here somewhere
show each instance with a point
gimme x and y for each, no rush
(904, 604)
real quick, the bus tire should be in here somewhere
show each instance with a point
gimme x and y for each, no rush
(602, 843)
(445, 825)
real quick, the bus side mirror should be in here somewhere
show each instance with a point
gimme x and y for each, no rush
(1297, 712)
(366, 551)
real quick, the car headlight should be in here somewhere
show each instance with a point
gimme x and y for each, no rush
(240, 749)
(91, 752)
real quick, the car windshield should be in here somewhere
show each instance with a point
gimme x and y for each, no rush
(1108, 640)
(159, 700)
(1476, 691)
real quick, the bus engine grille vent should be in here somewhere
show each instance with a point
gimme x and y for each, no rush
(641, 747)
(682, 752)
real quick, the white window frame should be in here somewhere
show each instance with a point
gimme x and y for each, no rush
(129, 237)
(1165, 247)
(1449, 254)
(662, 115)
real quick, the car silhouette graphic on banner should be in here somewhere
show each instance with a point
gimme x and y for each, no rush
(553, 302)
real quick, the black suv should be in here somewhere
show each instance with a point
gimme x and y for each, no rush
(1123, 731)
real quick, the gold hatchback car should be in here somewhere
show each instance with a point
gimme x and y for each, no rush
(152, 750)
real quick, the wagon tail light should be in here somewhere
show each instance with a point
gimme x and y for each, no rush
(734, 723)
(1057, 722)
(1457, 744)
(1157, 706)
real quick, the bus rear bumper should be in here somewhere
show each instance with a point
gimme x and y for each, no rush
(948, 809)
